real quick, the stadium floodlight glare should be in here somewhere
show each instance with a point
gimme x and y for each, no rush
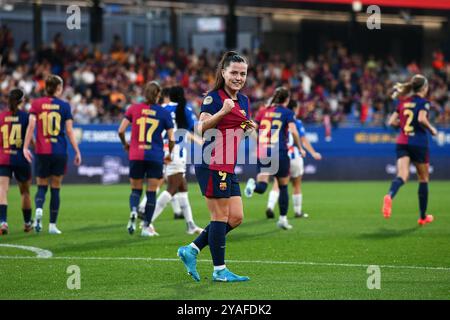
(357, 6)
(8, 7)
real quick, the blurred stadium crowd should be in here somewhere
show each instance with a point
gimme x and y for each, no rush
(347, 89)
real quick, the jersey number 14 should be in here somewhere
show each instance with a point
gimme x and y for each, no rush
(13, 137)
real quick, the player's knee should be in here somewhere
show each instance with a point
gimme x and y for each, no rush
(235, 221)
(56, 183)
(404, 176)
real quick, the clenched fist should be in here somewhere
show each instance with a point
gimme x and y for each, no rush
(228, 104)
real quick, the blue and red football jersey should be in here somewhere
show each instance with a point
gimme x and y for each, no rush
(147, 126)
(273, 125)
(224, 150)
(51, 116)
(12, 135)
(411, 131)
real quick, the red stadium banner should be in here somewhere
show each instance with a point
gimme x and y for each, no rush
(422, 4)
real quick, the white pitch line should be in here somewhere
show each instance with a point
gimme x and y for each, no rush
(303, 263)
(40, 253)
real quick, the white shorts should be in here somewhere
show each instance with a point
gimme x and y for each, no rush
(178, 164)
(296, 169)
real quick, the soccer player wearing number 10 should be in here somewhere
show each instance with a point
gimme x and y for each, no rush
(53, 118)
(146, 152)
(412, 142)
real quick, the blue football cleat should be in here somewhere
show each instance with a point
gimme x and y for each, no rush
(188, 255)
(226, 275)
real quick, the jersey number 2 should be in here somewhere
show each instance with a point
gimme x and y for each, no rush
(410, 116)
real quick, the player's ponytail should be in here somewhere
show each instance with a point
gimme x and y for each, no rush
(152, 91)
(15, 98)
(414, 85)
(227, 59)
(176, 94)
(280, 96)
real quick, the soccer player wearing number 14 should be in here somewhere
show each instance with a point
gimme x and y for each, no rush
(412, 142)
(52, 119)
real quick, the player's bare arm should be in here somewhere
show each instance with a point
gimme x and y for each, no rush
(310, 149)
(29, 137)
(171, 137)
(73, 142)
(394, 121)
(423, 119)
(123, 127)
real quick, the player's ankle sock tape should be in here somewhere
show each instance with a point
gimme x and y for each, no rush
(39, 199)
(261, 187)
(54, 204)
(423, 199)
(3, 210)
(202, 240)
(26, 215)
(150, 207)
(216, 241)
(395, 186)
(135, 197)
(283, 200)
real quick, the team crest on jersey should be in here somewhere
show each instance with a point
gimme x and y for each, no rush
(208, 100)
(223, 186)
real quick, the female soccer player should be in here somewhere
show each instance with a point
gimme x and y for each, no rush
(13, 126)
(53, 118)
(146, 154)
(183, 120)
(412, 142)
(226, 110)
(296, 169)
(275, 122)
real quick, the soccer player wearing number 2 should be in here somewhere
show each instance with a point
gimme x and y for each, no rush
(52, 119)
(412, 142)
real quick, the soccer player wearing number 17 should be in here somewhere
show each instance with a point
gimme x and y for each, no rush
(146, 152)
(53, 118)
(412, 142)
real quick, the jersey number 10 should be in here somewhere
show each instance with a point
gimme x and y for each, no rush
(51, 123)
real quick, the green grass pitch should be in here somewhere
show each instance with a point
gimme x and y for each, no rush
(323, 257)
